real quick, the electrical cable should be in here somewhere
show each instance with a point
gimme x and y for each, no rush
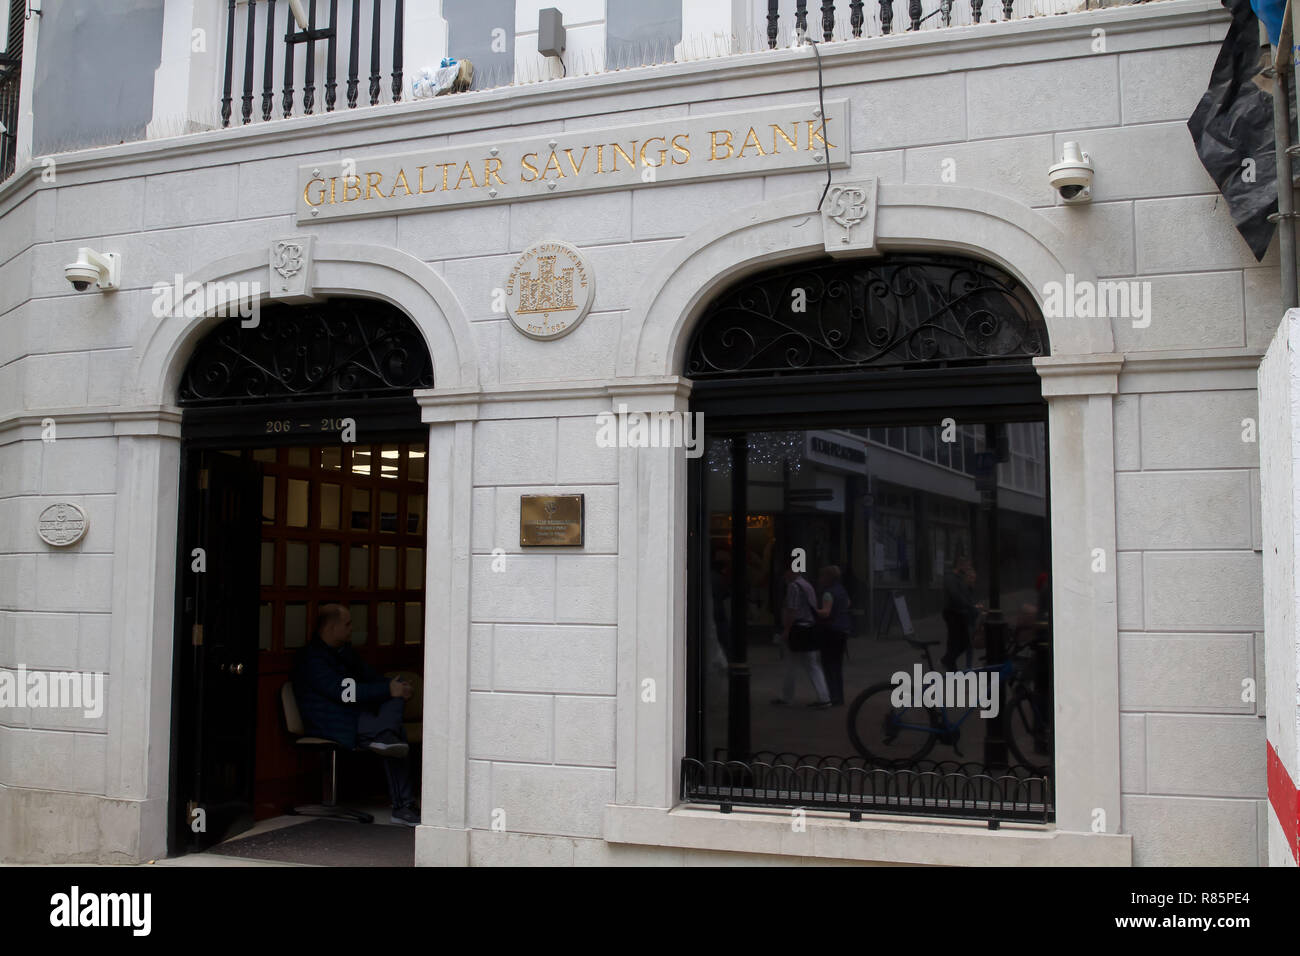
(821, 104)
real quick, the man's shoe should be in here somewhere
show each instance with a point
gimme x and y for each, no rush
(398, 750)
(409, 816)
(820, 705)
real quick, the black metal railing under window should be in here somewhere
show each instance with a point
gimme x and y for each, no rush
(254, 34)
(944, 788)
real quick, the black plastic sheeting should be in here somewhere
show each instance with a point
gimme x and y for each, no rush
(1234, 123)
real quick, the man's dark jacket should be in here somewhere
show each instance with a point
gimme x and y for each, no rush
(958, 597)
(318, 677)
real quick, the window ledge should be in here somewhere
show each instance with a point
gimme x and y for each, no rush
(878, 839)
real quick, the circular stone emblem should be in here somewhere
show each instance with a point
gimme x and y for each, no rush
(549, 290)
(61, 524)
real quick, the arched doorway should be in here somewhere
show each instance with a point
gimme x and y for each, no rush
(303, 482)
(876, 423)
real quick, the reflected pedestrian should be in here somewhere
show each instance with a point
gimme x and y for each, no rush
(836, 625)
(960, 611)
(799, 615)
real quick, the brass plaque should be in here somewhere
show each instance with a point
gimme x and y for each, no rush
(550, 521)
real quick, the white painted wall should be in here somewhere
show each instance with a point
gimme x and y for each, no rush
(551, 650)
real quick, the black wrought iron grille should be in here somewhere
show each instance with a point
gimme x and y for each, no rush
(11, 68)
(825, 24)
(897, 311)
(923, 788)
(340, 348)
(382, 18)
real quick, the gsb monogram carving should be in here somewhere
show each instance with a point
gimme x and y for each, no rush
(848, 205)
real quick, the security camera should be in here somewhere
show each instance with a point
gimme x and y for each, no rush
(103, 269)
(1072, 176)
(81, 275)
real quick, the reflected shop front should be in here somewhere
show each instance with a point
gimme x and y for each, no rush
(891, 438)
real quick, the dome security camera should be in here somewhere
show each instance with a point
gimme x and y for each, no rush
(1072, 176)
(103, 269)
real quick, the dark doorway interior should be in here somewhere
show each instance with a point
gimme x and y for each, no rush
(303, 482)
(341, 523)
(291, 528)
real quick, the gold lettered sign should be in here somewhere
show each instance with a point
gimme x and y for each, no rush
(550, 521)
(774, 139)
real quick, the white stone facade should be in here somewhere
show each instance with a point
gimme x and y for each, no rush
(532, 677)
(1279, 391)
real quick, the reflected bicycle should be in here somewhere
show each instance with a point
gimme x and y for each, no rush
(899, 736)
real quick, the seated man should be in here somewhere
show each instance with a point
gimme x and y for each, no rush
(366, 712)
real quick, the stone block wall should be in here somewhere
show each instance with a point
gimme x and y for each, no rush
(543, 666)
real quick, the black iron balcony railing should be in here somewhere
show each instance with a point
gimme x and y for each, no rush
(915, 15)
(385, 19)
(10, 71)
(924, 788)
(265, 39)
(11, 68)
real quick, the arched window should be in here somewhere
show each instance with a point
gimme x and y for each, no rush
(902, 311)
(337, 349)
(875, 450)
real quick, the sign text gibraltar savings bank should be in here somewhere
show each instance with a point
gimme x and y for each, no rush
(761, 142)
